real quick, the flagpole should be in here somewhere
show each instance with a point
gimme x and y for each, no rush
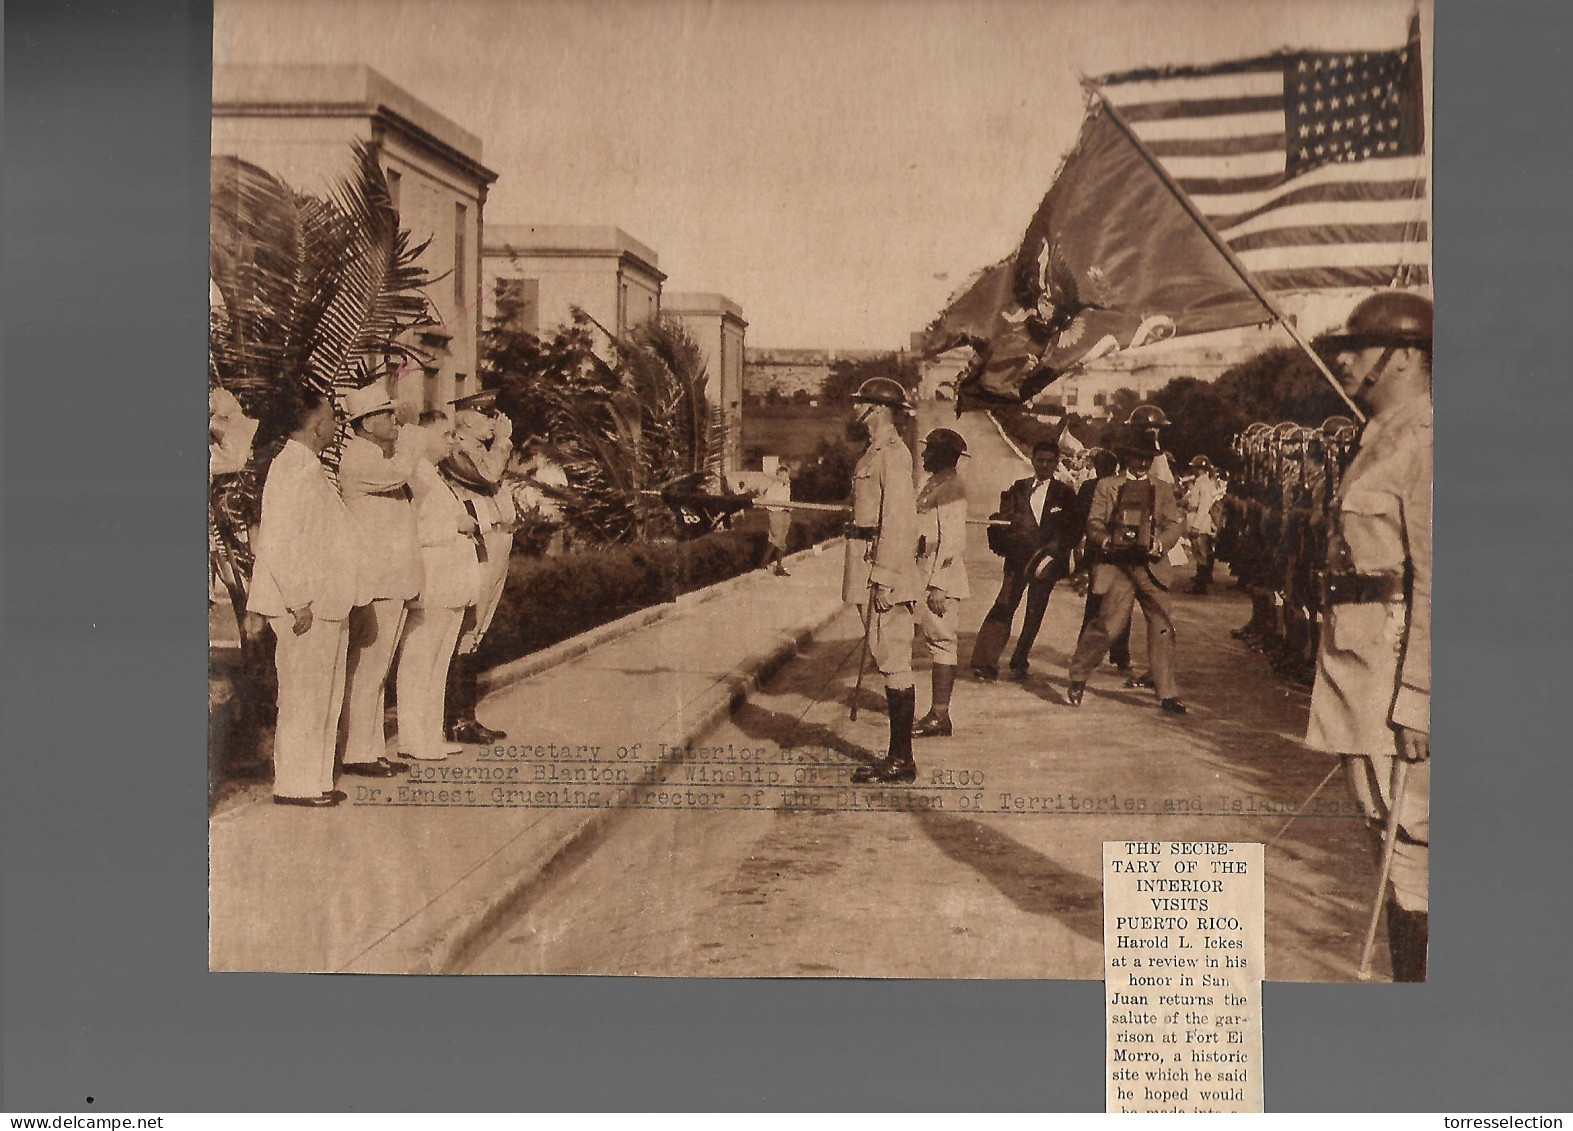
(1228, 253)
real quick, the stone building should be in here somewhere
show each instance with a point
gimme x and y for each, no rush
(299, 122)
(716, 324)
(548, 269)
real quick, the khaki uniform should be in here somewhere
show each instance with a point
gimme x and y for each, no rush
(942, 532)
(883, 499)
(1374, 663)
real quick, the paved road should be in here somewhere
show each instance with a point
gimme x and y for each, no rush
(989, 866)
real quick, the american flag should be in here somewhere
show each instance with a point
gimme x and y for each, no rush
(1310, 165)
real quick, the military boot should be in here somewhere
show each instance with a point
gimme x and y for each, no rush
(1408, 935)
(897, 767)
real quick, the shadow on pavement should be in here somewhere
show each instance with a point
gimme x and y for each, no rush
(1023, 875)
(788, 732)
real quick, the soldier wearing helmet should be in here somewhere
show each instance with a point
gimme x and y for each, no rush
(884, 576)
(1372, 699)
(1202, 507)
(942, 548)
(1148, 416)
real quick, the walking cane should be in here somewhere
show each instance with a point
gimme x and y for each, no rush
(1304, 805)
(1389, 844)
(868, 621)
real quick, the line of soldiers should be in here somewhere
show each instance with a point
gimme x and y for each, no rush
(1275, 533)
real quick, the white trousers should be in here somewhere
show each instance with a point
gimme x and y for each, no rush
(494, 576)
(374, 635)
(429, 637)
(311, 692)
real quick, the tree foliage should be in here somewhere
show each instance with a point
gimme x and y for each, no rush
(626, 416)
(311, 292)
(1275, 385)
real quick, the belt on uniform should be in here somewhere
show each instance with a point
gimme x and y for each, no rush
(1362, 588)
(862, 533)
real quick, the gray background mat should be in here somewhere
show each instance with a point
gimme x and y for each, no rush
(105, 988)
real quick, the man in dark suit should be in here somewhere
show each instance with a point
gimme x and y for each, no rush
(1134, 523)
(1044, 527)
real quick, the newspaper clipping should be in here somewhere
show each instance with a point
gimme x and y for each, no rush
(737, 489)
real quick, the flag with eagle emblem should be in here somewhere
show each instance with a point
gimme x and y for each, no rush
(1112, 260)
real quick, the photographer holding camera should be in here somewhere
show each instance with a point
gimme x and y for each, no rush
(1134, 523)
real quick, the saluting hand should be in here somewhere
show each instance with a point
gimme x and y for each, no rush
(1414, 745)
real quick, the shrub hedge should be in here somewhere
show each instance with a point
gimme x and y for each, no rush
(548, 600)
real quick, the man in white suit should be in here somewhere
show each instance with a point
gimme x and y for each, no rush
(374, 475)
(304, 582)
(450, 583)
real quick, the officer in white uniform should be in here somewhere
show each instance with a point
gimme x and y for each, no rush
(374, 475)
(450, 581)
(304, 582)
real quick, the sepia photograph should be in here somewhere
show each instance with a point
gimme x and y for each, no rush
(711, 488)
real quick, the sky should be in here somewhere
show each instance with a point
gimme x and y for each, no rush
(837, 167)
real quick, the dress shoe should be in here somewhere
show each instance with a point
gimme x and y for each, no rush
(471, 733)
(381, 768)
(1172, 707)
(335, 795)
(1074, 692)
(1018, 672)
(322, 801)
(1140, 681)
(492, 735)
(987, 675)
(932, 726)
(887, 771)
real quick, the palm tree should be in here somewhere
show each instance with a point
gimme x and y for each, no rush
(626, 414)
(310, 292)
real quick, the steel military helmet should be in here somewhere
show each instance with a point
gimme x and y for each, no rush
(1395, 319)
(1333, 425)
(885, 391)
(947, 441)
(1147, 416)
